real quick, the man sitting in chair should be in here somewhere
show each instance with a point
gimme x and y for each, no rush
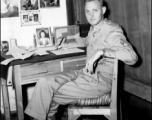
(105, 39)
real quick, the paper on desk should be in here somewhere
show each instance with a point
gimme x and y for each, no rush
(16, 56)
(41, 52)
(18, 53)
(47, 48)
(67, 51)
(5, 62)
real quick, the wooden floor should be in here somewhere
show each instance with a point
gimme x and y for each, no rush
(133, 114)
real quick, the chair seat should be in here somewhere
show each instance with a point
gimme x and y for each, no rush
(92, 110)
(92, 105)
(102, 100)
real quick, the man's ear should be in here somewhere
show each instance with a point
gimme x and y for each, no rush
(104, 10)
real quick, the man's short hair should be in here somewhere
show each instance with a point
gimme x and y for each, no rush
(100, 1)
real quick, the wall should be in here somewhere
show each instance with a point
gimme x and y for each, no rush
(11, 28)
(50, 17)
(135, 18)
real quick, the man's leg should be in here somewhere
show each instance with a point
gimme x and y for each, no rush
(40, 101)
(42, 97)
(62, 90)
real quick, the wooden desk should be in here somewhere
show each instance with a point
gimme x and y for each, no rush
(30, 72)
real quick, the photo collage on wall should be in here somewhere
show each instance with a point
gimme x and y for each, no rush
(30, 18)
(30, 10)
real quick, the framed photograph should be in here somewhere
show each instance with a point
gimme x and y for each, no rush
(44, 37)
(69, 33)
(9, 8)
(4, 46)
(30, 18)
(49, 3)
(29, 5)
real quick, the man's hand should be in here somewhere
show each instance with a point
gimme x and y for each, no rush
(92, 60)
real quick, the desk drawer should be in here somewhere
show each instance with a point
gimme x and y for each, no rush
(31, 69)
(53, 66)
(74, 64)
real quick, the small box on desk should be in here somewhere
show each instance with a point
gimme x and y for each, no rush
(70, 33)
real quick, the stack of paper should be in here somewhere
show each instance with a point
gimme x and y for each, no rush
(19, 53)
(67, 51)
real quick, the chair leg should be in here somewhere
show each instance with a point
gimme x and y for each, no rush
(120, 111)
(0, 96)
(71, 116)
(107, 116)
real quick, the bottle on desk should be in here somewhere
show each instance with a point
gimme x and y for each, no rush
(34, 41)
(13, 42)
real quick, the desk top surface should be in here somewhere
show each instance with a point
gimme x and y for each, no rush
(34, 59)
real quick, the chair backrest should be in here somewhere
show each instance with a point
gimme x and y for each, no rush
(109, 65)
(112, 66)
(98, 106)
(113, 105)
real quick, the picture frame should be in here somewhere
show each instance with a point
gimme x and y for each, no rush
(30, 18)
(49, 3)
(27, 5)
(44, 37)
(68, 32)
(4, 46)
(9, 8)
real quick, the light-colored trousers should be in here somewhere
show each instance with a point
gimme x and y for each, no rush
(63, 88)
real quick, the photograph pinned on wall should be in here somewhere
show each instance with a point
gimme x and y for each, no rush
(49, 3)
(30, 18)
(29, 5)
(44, 37)
(9, 8)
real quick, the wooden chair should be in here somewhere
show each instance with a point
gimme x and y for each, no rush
(105, 105)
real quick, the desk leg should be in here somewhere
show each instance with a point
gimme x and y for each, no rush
(18, 92)
(0, 97)
(5, 100)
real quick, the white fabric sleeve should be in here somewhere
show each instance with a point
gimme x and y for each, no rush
(83, 42)
(118, 47)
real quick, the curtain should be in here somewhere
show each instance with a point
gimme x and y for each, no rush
(75, 10)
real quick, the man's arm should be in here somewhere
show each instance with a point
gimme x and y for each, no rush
(119, 48)
(116, 47)
(82, 42)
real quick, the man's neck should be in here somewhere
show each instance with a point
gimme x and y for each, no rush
(95, 27)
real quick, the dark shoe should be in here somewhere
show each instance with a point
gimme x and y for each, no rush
(51, 118)
(31, 118)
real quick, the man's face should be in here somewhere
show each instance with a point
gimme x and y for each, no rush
(93, 12)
